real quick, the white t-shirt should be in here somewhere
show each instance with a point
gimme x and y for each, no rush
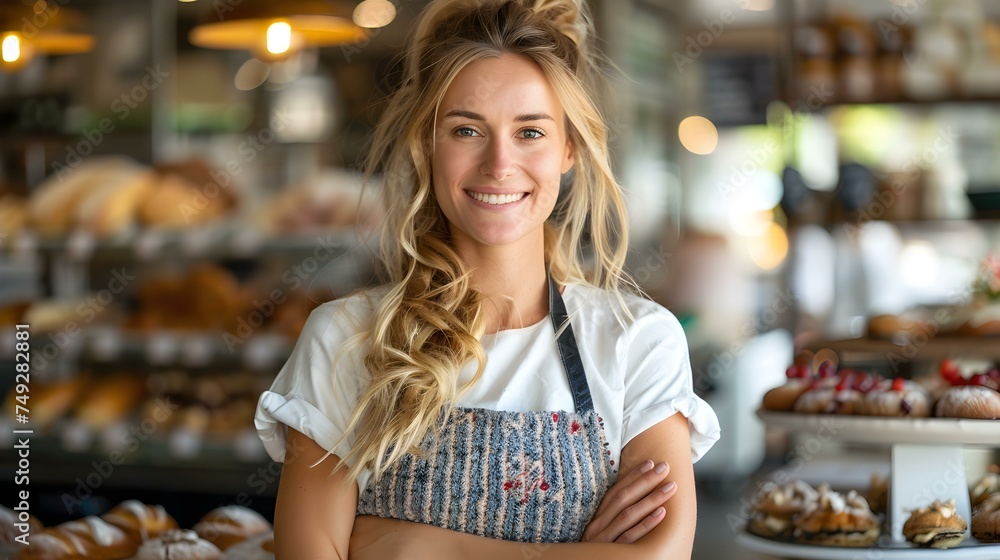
(638, 376)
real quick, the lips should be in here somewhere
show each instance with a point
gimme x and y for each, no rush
(496, 199)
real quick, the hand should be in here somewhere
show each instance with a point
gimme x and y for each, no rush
(631, 508)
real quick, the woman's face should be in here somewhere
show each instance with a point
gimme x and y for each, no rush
(500, 146)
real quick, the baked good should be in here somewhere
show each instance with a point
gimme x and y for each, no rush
(49, 401)
(878, 493)
(989, 485)
(228, 525)
(139, 521)
(8, 531)
(935, 526)
(898, 397)
(110, 205)
(784, 397)
(55, 203)
(837, 520)
(986, 520)
(776, 506)
(178, 544)
(109, 400)
(971, 401)
(984, 321)
(90, 538)
(13, 217)
(260, 547)
(898, 328)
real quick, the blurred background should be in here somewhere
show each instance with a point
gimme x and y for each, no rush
(179, 188)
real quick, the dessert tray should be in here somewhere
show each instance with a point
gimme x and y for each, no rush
(969, 550)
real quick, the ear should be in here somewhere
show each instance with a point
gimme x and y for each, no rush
(568, 159)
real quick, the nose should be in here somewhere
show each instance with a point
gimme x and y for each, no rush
(498, 161)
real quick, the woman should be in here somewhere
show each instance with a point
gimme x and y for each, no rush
(484, 400)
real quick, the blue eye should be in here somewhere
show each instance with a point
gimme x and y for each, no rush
(462, 130)
(534, 131)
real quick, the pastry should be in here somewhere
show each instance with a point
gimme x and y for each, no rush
(971, 401)
(989, 485)
(178, 544)
(55, 203)
(260, 547)
(228, 525)
(109, 400)
(935, 526)
(898, 397)
(90, 538)
(139, 521)
(784, 397)
(49, 401)
(897, 328)
(878, 493)
(837, 520)
(776, 507)
(13, 217)
(986, 520)
(8, 532)
(110, 206)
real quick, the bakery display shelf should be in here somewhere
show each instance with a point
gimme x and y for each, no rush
(226, 240)
(888, 430)
(935, 348)
(968, 550)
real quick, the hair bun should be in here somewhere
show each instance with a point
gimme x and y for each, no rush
(568, 16)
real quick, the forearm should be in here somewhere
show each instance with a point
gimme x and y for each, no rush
(452, 545)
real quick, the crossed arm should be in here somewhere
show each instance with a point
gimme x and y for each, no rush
(308, 500)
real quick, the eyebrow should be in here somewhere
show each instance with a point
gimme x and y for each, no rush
(519, 118)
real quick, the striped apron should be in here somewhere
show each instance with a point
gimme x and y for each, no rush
(518, 476)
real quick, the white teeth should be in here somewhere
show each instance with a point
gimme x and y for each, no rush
(495, 199)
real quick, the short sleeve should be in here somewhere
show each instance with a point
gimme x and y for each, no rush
(309, 394)
(658, 381)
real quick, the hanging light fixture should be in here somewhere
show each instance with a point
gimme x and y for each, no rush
(35, 27)
(273, 31)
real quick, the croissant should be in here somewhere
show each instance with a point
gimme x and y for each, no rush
(8, 532)
(178, 544)
(90, 538)
(139, 521)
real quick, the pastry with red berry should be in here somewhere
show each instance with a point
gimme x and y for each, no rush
(898, 397)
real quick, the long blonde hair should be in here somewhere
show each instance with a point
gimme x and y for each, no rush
(430, 323)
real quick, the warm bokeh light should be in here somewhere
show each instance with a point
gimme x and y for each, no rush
(919, 264)
(11, 48)
(698, 135)
(374, 13)
(770, 249)
(758, 5)
(279, 37)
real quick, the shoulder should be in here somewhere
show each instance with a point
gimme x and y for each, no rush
(343, 317)
(625, 315)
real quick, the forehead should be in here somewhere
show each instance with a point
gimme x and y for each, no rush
(501, 85)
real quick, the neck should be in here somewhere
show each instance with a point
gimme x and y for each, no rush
(515, 271)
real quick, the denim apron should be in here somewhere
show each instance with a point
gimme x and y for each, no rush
(518, 476)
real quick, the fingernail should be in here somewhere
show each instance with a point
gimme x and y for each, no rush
(670, 486)
(660, 468)
(658, 511)
(646, 466)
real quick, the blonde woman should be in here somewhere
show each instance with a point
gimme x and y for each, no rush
(483, 402)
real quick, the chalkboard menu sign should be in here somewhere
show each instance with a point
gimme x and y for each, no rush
(738, 88)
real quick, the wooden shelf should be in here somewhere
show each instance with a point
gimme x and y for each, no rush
(936, 348)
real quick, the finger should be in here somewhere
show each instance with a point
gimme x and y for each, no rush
(644, 527)
(624, 494)
(632, 515)
(627, 479)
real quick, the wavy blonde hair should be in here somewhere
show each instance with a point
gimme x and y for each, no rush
(430, 323)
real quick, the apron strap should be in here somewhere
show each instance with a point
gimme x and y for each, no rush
(569, 351)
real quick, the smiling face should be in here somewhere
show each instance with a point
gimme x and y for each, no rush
(500, 147)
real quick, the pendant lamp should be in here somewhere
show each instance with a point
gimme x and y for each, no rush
(35, 27)
(274, 30)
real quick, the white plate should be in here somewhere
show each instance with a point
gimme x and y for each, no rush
(966, 551)
(888, 430)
